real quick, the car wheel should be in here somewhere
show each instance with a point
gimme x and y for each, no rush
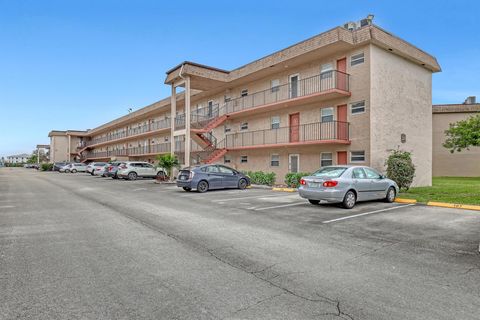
(115, 176)
(67, 171)
(187, 189)
(160, 175)
(314, 201)
(202, 186)
(349, 200)
(391, 194)
(242, 184)
(91, 173)
(132, 176)
(74, 171)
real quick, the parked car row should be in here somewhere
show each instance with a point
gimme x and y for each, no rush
(129, 170)
(346, 185)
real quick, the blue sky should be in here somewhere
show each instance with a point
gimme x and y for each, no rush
(77, 64)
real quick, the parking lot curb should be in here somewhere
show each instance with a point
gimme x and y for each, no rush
(401, 200)
(284, 189)
(453, 205)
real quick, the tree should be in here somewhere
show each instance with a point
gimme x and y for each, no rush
(400, 168)
(168, 162)
(463, 134)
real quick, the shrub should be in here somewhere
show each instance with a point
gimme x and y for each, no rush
(260, 177)
(46, 167)
(400, 168)
(292, 179)
(168, 162)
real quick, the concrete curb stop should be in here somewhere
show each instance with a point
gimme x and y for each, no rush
(453, 205)
(284, 189)
(401, 200)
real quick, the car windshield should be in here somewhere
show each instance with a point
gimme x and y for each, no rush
(329, 172)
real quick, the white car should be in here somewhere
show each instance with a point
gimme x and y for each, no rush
(100, 170)
(93, 165)
(131, 170)
(74, 168)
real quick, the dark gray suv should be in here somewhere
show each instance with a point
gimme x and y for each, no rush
(211, 176)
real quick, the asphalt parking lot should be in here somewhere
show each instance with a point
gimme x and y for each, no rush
(77, 246)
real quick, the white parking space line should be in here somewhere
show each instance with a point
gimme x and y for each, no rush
(279, 206)
(5, 207)
(367, 213)
(252, 197)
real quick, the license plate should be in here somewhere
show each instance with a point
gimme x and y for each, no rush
(183, 178)
(314, 184)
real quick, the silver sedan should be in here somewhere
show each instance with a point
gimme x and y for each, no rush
(347, 185)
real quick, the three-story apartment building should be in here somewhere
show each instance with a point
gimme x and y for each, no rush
(349, 95)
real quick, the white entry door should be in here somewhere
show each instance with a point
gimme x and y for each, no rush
(294, 163)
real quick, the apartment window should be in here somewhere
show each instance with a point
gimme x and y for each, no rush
(326, 114)
(165, 139)
(357, 59)
(227, 129)
(243, 159)
(244, 126)
(357, 107)
(244, 93)
(275, 160)
(226, 98)
(275, 122)
(326, 159)
(357, 156)
(275, 85)
(227, 159)
(326, 71)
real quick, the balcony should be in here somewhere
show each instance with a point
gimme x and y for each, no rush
(136, 151)
(134, 132)
(333, 132)
(328, 85)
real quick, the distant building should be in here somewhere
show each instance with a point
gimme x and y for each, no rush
(460, 164)
(18, 158)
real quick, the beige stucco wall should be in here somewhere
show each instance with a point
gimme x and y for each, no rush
(59, 148)
(401, 102)
(460, 164)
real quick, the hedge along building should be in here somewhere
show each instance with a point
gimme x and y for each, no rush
(349, 95)
(460, 164)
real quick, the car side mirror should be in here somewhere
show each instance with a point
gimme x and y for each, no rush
(382, 177)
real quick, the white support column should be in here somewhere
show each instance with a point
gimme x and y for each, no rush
(38, 155)
(173, 103)
(69, 146)
(187, 121)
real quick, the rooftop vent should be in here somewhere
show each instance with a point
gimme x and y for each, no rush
(359, 24)
(470, 100)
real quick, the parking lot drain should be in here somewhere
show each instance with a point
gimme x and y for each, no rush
(453, 205)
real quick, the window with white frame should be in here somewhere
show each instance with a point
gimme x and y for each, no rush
(357, 107)
(226, 98)
(275, 122)
(326, 159)
(227, 159)
(244, 93)
(275, 160)
(326, 114)
(275, 85)
(357, 59)
(357, 156)
(244, 126)
(227, 129)
(243, 159)
(326, 71)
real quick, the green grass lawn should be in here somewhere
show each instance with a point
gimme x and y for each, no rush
(459, 190)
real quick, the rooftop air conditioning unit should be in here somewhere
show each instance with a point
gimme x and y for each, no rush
(350, 26)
